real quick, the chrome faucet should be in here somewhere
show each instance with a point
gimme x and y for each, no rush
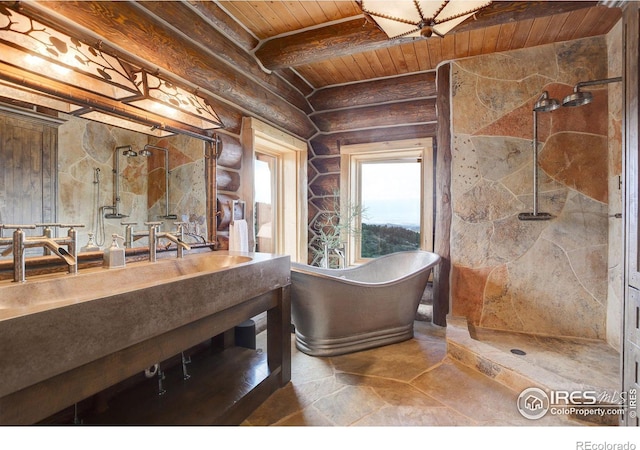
(5, 241)
(155, 236)
(130, 235)
(20, 242)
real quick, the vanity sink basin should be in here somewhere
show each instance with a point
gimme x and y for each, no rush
(56, 323)
(50, 291)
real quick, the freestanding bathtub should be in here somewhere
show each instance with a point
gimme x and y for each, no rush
(337, 311)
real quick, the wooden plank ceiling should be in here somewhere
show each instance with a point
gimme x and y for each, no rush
(502, 26)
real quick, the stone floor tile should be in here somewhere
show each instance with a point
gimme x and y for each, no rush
(469, 392)
(414, 416)
(394, 393)
(401, 361)
(348, 405)
(308, 417)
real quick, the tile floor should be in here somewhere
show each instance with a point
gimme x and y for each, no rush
(412, 383)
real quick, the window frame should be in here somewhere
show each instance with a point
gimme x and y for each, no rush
(291, 192)
(351, 159)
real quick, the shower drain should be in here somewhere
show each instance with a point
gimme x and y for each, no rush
(517, 351)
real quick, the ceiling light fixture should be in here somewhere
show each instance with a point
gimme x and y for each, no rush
(419, 18)
(38, 48)
(166, 98)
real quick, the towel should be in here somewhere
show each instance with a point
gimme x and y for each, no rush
(238, 236)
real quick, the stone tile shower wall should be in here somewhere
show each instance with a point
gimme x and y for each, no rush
(546, 277)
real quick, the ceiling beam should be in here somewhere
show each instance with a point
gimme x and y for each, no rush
(359, 35)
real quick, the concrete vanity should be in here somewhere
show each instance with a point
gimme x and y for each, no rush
(66, 337)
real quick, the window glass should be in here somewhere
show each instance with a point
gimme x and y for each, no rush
(390, 196)
(264, 202)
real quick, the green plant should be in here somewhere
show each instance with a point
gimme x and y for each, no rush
(333, 229)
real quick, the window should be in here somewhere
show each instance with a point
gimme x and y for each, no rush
(265, 202)
(277, 164)
(392, 183)
(390, 197)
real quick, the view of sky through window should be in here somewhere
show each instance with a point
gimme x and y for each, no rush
(391, 193)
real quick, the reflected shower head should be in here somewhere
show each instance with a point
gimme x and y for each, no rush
(578, 98)
(545, 104)
(145, 152)
(129, 152)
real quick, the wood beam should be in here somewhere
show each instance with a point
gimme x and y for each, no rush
(414, 86)
(125, 25)
(311, 46)
(442, 245)
(379, 116)
(200, 33)
(219, 18)
(329, 144)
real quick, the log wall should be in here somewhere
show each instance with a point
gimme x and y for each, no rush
(374, 111)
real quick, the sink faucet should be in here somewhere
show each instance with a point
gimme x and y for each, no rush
(155, 236)
(20, 242)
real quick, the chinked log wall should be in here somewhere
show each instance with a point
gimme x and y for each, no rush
(375, 111)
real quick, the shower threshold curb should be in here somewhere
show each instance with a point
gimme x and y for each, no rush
(509, 370)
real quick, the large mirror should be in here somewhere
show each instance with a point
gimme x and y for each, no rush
(71, 170)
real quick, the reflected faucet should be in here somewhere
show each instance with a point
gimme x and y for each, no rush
(130, 235)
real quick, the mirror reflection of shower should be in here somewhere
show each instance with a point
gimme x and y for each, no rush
(96, 232)
(146, 151)
(115, 208)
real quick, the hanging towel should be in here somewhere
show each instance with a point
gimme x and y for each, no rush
(238, 236)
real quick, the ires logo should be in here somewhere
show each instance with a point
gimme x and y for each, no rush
(534, 403)
(573, 398)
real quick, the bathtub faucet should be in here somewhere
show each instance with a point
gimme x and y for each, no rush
(341, 254)
(340, 251)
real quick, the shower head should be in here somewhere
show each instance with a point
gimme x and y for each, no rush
(545, 104)
(578, 98)
(129, 152)
(145, 152)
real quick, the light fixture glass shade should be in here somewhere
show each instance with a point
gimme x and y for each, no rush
(38, 48)
(120, 122)
(165, 98)
(32, 97)
(408, 18)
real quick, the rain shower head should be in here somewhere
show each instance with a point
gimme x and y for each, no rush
(145, 152)
(545, 104)
(129, 152)
(578, 98)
